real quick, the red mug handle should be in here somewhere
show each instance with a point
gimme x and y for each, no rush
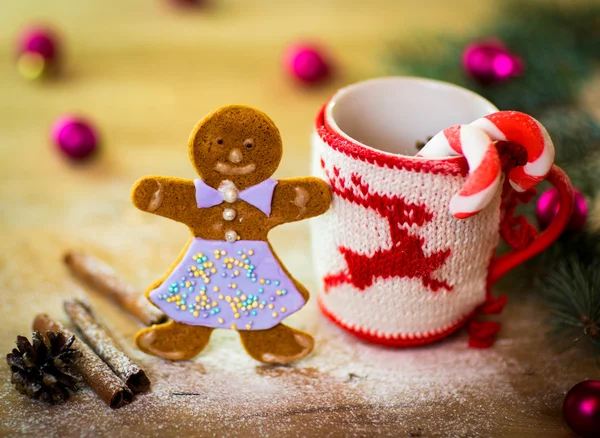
(504, 263)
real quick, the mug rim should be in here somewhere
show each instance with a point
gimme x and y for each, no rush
(350, 146)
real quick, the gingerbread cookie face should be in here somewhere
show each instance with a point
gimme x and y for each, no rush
(235, 143)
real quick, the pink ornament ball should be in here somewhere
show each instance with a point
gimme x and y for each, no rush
(581, 408)
(37, 52)
(39, 40)
(75, 137)
(490, 62)
(307, 64)
(549, 203)
(187, 3)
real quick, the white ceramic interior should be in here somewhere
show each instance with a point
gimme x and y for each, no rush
(392, 114)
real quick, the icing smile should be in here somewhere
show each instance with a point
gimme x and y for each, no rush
(228, 169)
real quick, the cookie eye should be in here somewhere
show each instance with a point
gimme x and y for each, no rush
(219, 140)
(249, 143)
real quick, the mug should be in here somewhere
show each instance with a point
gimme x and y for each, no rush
(396, 267)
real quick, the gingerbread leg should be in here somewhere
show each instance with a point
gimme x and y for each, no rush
(278, 345)
(173, 340)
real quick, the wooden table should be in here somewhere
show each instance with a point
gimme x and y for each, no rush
(145, 73)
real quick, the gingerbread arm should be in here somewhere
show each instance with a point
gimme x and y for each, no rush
(174, 198)
(295, 199)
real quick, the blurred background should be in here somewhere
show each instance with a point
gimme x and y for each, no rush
(144, 72)
(140, 73)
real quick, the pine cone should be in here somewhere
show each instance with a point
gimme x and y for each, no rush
(45, 371)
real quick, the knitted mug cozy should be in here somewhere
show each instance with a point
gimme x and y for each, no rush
(396, 267)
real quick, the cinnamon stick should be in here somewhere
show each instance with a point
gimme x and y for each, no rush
(95, 373)
(104, 346)
(105, 280)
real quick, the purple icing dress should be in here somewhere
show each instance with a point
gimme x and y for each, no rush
(238, 285)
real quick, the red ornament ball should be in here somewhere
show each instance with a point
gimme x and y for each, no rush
(490, 62)
(37, 52)
(581, 408)
(74, 136)
(307, 63)
(549, 203)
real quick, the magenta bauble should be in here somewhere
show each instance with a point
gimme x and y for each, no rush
(37, 52)
(581, 408)
(75, 137)
(187, 3)
(307, 63)
(490, 62)
(549, 203)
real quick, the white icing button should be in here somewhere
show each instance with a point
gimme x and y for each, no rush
(229, 214)
(231, 236)
(230, 194)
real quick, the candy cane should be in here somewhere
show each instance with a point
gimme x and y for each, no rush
(528, 132)
(475, 142)
(484, 166)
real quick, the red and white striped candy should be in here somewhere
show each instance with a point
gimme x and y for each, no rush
(484, 166)
(528, 132)
(476, 143)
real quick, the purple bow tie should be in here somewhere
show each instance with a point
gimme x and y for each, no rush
(259, 195)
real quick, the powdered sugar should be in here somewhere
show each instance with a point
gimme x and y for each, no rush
(343, 381)
(344, 388)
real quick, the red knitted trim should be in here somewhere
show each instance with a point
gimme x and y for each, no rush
(449, 166)
(516, 229)
(398, 340)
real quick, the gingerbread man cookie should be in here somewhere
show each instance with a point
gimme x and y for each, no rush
(228, 276)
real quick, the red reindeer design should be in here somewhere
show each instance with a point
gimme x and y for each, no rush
(405, 258)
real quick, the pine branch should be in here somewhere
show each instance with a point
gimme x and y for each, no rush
(571, 291)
